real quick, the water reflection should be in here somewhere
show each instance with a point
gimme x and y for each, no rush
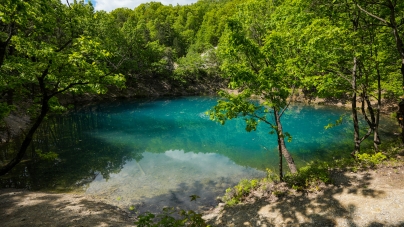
(168, 179)
(162, 151)
(81, 157)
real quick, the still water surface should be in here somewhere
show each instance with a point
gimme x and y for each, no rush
(150, 154)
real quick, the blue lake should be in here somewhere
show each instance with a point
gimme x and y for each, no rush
(151, 154)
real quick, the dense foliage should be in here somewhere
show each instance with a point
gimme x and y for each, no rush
(269, 50)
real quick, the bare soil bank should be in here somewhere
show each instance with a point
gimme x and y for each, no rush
(369, 198)
(25, 208)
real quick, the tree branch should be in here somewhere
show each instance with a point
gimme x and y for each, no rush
(290, 100)
(339, 74)
(366, 135)
(68, 87)
(374, 16)
(261, 118)
(64, 46)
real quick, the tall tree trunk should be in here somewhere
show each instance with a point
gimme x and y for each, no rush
(376, 137)
(365, 100)
(399, 46)
(27, 139)
(400, 117)
(354, 111)
(280, 162)
(3, 47)
(399, 41)
(391, 23)
(281, 143)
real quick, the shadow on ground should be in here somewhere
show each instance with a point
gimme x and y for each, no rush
(355, 200)
(23, 208)
(26, 208)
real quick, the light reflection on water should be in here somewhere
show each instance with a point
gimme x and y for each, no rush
(157, 153)
(168, 179)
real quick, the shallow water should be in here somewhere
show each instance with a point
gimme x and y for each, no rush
(151, 154)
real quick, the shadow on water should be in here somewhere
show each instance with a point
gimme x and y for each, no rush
(169, 179)
(324, 209)
(180, 198)
(80, 157)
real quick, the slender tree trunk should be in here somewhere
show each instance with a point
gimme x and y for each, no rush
(376, 137)
(400, 48)
(27, 139)
(400, 117)
(354, 111)
(3, 46)
(391, 23)
(399, 41)
(280, 162)
(365, 100)
(281, 144)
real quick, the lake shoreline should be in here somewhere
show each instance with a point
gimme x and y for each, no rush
(16, 122)
(363, 198)
(371, 197)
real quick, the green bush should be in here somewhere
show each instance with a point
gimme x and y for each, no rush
(370, 160)
(271, 176)
(241, 190)
(309, 177)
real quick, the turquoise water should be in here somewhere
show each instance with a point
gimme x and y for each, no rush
(151, 154)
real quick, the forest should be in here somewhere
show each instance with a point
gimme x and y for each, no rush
(258, 56)
(51, 54)
(266, 49)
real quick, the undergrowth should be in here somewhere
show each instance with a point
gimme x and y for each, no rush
(235, 194)
(309, 178)
(314, 175)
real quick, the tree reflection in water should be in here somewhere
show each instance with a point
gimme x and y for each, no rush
(81, 156)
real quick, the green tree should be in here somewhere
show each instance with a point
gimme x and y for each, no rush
(256, 60)
(389, 14)
(356, 65)
(56, 52)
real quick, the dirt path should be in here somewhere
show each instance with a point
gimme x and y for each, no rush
(24, 208)
(369, 199)
(373, 198)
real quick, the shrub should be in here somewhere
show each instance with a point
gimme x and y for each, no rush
(241, 190)
(309, 177)
(370, 160)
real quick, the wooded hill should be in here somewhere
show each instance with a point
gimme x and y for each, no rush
(350, 48)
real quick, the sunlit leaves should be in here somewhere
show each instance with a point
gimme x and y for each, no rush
(57, 45)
